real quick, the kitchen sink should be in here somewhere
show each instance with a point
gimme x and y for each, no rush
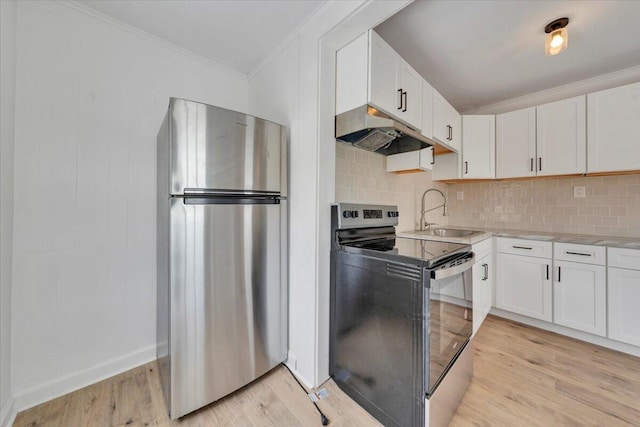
(447, 232)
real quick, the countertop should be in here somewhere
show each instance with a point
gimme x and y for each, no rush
(485, 233)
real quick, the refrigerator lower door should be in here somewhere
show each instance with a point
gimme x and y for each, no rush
(228, 297)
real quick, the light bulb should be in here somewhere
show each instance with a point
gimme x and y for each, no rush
(556, 40)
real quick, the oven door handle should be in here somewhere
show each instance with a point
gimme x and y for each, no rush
(452, 271)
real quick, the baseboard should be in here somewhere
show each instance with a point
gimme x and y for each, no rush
(44, 393)
(8, 413)
(292, 364)
(563, 330)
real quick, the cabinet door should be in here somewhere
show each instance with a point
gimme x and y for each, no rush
(427, 109)
(580, 297)
(478, 146)
(490, 283)
(445, 122)
(410, 82)
(524, 286)
(383, 92)
(478, 294)
(446, 167)
(516, 144)
(482, 290)
(624, 299)
(561, 137)
(613, 129)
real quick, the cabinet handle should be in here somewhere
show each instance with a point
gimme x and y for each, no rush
(522, 247)
(559, 275)
(532, 164)
(547, 272)
(466, 168)
(540, 163)
(449, 137)
(433, 158)
(400, 93)
(576, 253)
(406, 98)
(486, 271)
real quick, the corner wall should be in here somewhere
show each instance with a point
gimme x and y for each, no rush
(7, 117)
(296, 87)
(91, 94)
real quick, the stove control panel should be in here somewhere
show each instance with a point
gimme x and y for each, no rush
(355, 215)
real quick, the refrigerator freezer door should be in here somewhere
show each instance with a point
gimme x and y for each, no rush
(217, 149)
(228, 298)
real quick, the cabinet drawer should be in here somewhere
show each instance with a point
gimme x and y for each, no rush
(624, 258)
(535, 248)
(586, 254)
(482, 249)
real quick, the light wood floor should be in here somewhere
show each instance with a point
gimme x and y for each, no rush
(523, 377)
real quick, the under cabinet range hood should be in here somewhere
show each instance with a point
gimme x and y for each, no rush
(367, 128)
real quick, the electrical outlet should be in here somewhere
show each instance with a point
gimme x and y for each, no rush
(460, 195)
(579, 191)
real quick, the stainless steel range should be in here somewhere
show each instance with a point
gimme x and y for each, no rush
(401, 318)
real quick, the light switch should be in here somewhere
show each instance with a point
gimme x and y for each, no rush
(460, 195)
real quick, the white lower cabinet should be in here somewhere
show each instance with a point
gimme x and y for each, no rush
(482, 289)
(482, 281)
(580, 297)
(624, 295)
(524, 286)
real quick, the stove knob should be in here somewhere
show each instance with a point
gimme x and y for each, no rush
(354, 214)
(346, 214)
(390, 214)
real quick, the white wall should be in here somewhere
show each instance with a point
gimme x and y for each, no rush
(90, 98)
(7, 116)
(296, 86)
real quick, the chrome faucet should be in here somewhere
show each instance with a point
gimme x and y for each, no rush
(424, 224)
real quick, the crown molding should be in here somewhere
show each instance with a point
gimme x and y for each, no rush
(593, 84)
(82, 8)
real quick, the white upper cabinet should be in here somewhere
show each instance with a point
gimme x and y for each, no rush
(409, 85)
(561, 137)
(427, 109)
(412, 160)
(516, 144)
(446, 122)
(613, 129)
(478, 146)
(546, 140)
(369, 71)
(384, 92)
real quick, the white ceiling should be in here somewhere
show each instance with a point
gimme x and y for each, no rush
(477, 52)
(238, 33)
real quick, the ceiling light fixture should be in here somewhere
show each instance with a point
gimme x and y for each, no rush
(557, 35)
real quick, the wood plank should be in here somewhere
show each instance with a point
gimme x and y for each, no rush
(523, 377)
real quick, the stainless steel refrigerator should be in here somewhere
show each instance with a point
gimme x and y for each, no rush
(221, 252)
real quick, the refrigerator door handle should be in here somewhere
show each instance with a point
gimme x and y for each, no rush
(210, 192)
(231, 200)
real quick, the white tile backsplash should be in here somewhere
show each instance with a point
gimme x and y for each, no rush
(611, 206)
(362, 177)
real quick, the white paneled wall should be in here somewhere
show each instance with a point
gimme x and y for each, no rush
(362, 177)
(7, 117)
(90, 98)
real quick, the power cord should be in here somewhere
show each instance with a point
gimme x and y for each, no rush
(323, 417)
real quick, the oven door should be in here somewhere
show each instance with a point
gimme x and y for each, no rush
(450, 319)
